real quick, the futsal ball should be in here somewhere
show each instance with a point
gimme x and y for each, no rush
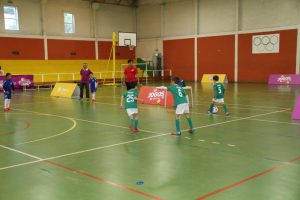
(215, 110)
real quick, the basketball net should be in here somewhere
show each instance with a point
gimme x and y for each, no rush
(131, 47)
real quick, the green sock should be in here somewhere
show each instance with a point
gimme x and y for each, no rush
(136, 122)
(177, 125)
(131, 121)
(211, 107)
(190, 122)
(225, 108)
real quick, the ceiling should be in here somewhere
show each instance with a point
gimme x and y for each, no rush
(133, 3)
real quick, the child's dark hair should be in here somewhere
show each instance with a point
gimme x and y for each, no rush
(8, 74)
(216, 78)
(91, 73)
(176, 79)
(129, 61)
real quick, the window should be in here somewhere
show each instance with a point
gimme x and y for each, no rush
(11, 20)
(69, 19)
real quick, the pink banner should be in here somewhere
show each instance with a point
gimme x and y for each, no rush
(284, 79)
(19, 81)
(296, 112)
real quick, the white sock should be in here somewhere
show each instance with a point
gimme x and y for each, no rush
(94, 96)
(8, 103)
(5, 103)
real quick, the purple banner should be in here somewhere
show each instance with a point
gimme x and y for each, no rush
(19, 81)
(284, 79)
(296, 113)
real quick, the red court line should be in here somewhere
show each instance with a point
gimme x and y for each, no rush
(248, 179)
(102, 180)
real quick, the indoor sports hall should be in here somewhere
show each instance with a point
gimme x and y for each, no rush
(150, 99)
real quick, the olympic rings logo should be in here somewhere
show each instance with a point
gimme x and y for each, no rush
(266, 43)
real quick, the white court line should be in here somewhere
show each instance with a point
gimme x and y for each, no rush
(21, 152)
(201, 140)
(261, 120)
(231, 145)
(215, 142)
(83, 120)
(122, 143)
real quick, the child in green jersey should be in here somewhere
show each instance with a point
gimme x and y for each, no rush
(131, 98)
(219, 92)
(181, 103)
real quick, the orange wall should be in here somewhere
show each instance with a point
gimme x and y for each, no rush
(104, 48)
(258, 67)
(216, 56)
(29, 49)
(62, 49)
(179, 57)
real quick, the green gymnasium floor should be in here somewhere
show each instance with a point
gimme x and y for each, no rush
(62, 149)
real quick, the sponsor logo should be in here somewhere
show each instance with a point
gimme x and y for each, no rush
(284, 79)
(24, 82)
(62, 90)
(156, 95)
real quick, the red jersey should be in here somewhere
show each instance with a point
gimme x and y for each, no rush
(130, 74)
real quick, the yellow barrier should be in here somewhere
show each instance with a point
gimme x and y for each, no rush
(208, 78)
(67, 90)
(52, 67)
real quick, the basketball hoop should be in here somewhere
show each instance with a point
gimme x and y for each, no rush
(131, 47)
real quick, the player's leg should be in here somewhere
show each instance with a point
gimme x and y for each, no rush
(136, 122)
(87, 90)
(187, 115)
(211, 107)
(93, 95)
(81, 90)
(5, 103)
(225, 109)
(128, 86)
(8, 102)
(177, 124)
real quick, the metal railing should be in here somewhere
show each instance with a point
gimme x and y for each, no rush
(75, 76)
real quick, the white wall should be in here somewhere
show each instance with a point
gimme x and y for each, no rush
(29, 17)
(147, 47)
(54, 14)
(255, 14)
(216, 16)
(112, 18)
(149, 21)
(179, 18)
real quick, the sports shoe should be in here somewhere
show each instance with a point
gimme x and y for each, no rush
(93, 100)
(176, 133)
(191, 130)
(9, 108)
(136, 130)
(227, 114)
(208, 112)
(5, 109)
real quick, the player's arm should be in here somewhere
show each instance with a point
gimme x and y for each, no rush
(162, 87)
(139, 99)
(187, 87)
(122, 101)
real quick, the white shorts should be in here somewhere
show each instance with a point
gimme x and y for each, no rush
(182, 109)
(131, 111)
(221, 101)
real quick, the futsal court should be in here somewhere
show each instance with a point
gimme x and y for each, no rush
(57, 148)
(149, 99)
